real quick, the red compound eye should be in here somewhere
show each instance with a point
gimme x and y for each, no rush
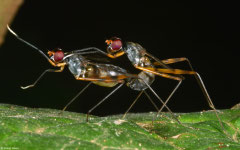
(116, 44)
(58, 55)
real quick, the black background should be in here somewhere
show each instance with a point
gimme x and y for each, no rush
(206, 33)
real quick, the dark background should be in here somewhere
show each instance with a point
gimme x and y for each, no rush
(206, 33)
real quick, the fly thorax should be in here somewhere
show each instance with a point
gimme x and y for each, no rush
(135, 52)
(76, 65)
(141, 84)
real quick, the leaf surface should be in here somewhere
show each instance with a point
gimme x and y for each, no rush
(30, 128)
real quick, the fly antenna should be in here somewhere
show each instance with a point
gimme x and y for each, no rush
(22, 40)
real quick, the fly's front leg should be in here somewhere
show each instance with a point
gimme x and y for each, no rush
(115, 55)
(89, 50)
(118, 54)
(48, 70)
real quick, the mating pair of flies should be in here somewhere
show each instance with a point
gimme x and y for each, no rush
(108, 75)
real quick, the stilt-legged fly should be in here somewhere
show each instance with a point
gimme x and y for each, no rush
(143, 60)
(106, 75)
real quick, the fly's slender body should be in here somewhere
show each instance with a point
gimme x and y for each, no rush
(146, 62)
(81, 68)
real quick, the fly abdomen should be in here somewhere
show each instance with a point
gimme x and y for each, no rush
(92, 71)
(110, 71)
(139, 83)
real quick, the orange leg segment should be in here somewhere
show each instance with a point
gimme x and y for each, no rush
(171, 61)
(106, 79)
(154, 71)
(116, 54)
(171, 71)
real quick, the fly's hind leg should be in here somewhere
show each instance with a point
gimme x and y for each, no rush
(160, 71)
(192, 72)
(149, 98)
(197, 76)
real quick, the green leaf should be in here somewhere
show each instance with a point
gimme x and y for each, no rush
(29, 128)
